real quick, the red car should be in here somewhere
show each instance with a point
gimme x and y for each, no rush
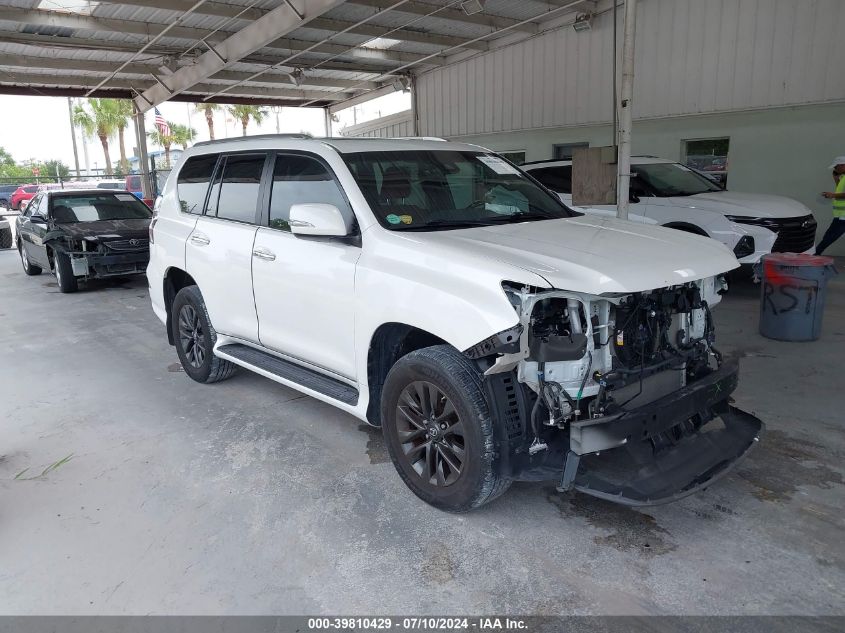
(24, 192)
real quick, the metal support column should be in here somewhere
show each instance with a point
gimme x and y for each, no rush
(328, 121)
(143, 158)
(625, 105)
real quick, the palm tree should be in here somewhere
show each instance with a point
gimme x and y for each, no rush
(182, 134)
(124, 112)
(101, 119)
(208, 110)
(165, 140)
(246, 112)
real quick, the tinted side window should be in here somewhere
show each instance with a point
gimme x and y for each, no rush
(239, 187)
(192, 184)
(300, 179)
(558, 179)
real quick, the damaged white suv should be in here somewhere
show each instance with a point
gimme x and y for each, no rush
(434, 290)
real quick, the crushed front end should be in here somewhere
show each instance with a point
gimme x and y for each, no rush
(98, 257)
(623, 397)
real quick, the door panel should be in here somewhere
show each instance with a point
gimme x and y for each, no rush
(32, 235)
(305, 287)
(218, 253)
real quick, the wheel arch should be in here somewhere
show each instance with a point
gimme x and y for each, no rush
(390, 342)
(174, 280)
(687, 227)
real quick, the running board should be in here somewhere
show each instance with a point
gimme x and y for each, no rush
(251, 357)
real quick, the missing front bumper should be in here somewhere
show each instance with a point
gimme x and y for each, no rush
(644, 478)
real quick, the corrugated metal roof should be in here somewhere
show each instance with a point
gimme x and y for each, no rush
(60, 45)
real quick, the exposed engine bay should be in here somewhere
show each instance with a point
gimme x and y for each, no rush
(639, 370)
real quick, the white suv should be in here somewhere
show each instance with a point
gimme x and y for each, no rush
(434, 290)
(673, 195)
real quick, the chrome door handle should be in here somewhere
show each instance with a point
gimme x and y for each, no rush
(200, 240)
(263, 253)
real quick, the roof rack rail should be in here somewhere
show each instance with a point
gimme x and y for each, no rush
(420, 138)
(304, 136)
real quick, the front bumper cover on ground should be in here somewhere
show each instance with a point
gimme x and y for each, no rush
(637, 472)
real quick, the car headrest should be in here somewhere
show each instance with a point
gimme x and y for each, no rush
(395, 184)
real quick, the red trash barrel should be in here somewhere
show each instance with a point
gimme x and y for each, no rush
(792, 295)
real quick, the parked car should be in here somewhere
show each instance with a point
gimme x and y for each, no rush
(678, 197)
(21, 194)
(81, 234)
(133, 184)
(433, 289)
(119, 185)
(5, 234)
(6, 192)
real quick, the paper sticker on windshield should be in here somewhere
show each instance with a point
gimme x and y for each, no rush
(393, 219)
(125, 197)
(406, 219)
(498, 165)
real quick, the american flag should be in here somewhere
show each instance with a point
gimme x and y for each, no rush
(161, 124)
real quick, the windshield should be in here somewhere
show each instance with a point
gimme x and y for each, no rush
(673, 179)
(98, 206)
(434, 190)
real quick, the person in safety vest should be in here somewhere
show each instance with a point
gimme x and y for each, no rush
(837, 227)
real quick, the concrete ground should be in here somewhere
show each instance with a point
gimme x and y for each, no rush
(126, 488)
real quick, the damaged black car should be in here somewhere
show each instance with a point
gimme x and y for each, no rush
(84, 234)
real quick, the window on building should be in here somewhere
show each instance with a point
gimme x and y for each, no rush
(302, 179)
(516, 157)
(708, 156)
(564, 150)
(239, 186)
(192, 184)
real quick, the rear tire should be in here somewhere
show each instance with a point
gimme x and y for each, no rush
(29, 268)
(438, 429)
(194, 337)
(64, 273)
(6, 238)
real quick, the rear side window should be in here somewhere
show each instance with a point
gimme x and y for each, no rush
(238, 188)
(558, 179)
(301, 179)
(193, 181)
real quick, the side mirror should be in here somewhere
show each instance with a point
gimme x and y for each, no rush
(633, 197)
(37, 218)
(324, 220)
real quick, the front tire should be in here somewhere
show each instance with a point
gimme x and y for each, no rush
(438, 429)
(195, 337)
(28, 267)
(64, 273)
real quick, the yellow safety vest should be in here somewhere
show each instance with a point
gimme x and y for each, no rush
(839, 205)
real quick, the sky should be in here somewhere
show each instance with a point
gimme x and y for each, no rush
(39, 127)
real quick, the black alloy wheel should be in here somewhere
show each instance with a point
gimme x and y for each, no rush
(431, 433)
(191, 336)
(438, 429)
(194, 337)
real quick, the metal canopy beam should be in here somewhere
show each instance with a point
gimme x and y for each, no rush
(139, 68)
(454, 15)
(83, 43)
(279, 21)
(325, 24)
(39, 17)
(88, 81)
(123, 93)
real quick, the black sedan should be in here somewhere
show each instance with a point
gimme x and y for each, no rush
(84, 234)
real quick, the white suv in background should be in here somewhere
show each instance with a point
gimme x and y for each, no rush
(433, 289)
(673, 195)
